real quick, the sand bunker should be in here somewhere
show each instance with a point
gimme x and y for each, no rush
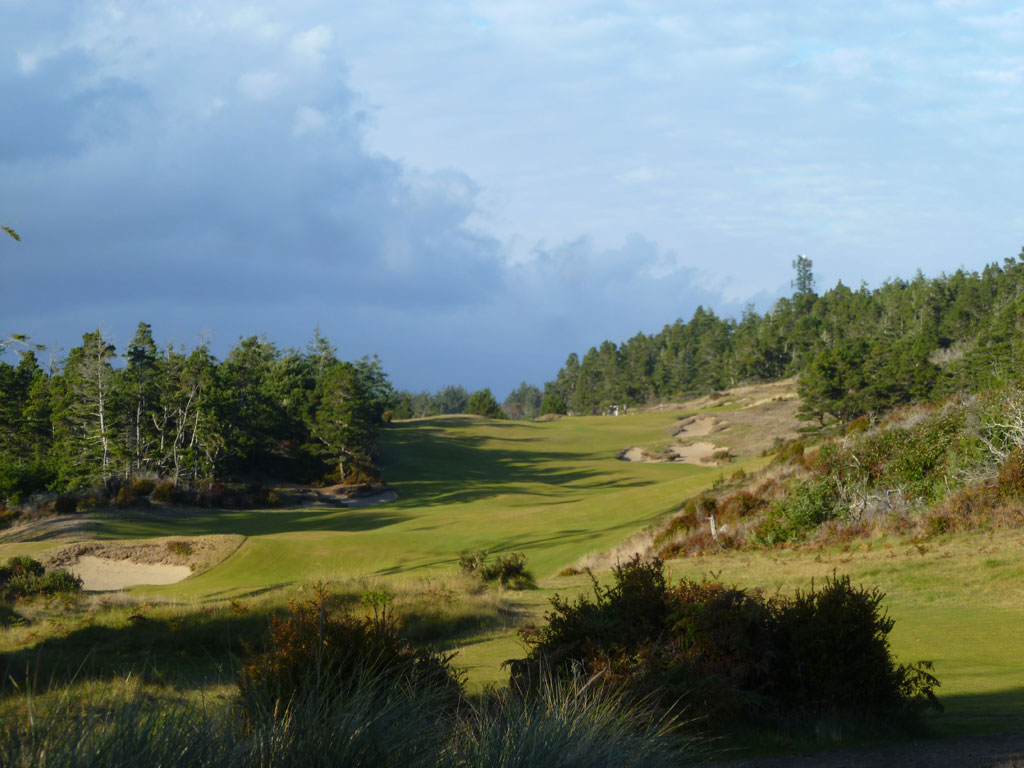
(694, 453)
(101, 573)
(106, 565)
(695, 426)
(637, 454)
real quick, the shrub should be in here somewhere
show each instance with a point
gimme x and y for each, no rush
(323, 644)
(179, 548)
(217, 495)
(1010, 480)
(509, 570)
(808, 506)
(142, 486)
(361, 474)
(24, 577)
(725, 651)
(472, 560)
(66, 504)
(740, 505)
(164, 492)
(92, 499)
(59, 582)
(833, 656)
(789, 450)
(20, 566)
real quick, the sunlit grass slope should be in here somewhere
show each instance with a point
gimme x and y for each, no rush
(554, 490)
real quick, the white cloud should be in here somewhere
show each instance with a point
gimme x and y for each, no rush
(308, 121)
(261, 85)
(312, 44)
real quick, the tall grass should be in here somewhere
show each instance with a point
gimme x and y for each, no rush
(576, 725)
(581, 725)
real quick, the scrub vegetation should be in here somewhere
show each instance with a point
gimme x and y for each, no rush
(843, 567)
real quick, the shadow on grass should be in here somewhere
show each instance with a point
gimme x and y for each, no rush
(439, 461)
(248, 522)
(165, 645)
(192, 651)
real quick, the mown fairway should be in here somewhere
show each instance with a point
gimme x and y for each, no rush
(553, 490)
(557, 491)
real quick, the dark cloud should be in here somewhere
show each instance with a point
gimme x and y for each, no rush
(224, 187)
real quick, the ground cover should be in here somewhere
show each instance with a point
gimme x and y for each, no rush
(553, 490)
(556, 491)
(956, 601)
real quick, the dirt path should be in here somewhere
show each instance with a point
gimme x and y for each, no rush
(1002, 751)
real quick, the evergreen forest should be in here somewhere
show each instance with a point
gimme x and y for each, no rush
(857, 352)
(96, 422)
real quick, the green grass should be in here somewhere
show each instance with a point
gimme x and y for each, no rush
(955, 601)
(554, 490)
(557, 492)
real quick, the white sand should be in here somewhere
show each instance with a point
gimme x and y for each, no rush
(101, 573)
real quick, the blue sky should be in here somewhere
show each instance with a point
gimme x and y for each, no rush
(475, 189)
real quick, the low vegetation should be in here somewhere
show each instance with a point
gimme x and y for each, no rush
(922, 471)
(724, 653)
(509, 570)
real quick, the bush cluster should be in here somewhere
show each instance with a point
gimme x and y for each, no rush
(509, 570)
(323, 644)
(22, 577)
(724, 652)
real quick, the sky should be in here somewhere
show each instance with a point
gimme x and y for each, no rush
(473, 190)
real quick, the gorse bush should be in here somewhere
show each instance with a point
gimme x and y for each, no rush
(65, 504)
(808, 506)
(509, 569)
(322, 641)
(141, 486)
(833, 651)
(23, 577)
(164, 492)
(723, 652)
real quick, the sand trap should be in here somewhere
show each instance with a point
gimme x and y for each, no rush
(101, 573)
(695, 453)
(695, 426)
(637, 454)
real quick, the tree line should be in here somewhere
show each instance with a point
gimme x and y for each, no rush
(524, 402)
(856, 351)
(182, 415)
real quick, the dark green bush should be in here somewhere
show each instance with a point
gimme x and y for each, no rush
(722, 651)
(22, 577)
(20, 478)
(509, 570)
(833, 656)
(323, 643)
(804, 509)
(66, 504)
